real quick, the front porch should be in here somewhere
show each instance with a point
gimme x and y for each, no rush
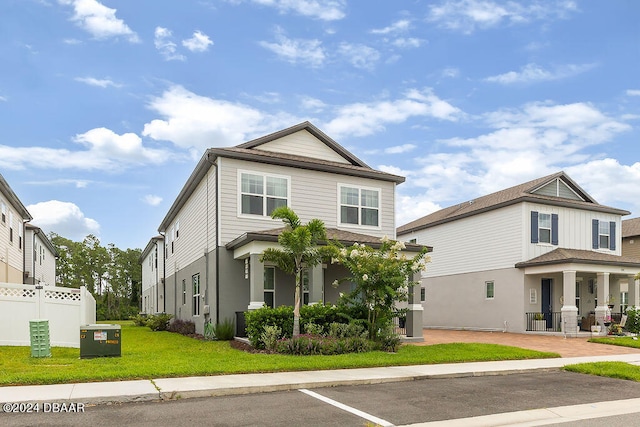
(569, 291)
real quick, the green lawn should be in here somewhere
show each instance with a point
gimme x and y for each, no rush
(622, 341)
(147, 354)
(620, 370)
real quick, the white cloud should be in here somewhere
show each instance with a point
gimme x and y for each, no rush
(397, 27)
(413, 207)
(99, 20)
(326, 10)
(359, 55)
(193, 121)
(152, 200)
(362, 119)
(523, 144)
(313, 104)
(633, 92)
(200, 42)
(450, 72)
(399, 149)
(407, 43)
(63, 218)
(78, 183)
(534, 73)
(106, 151)
(92, 81)
(469, 15)
(297, 51)
(166, 47)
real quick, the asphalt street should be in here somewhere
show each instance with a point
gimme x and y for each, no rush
(399, 403)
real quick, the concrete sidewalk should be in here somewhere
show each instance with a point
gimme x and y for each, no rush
(174, 388)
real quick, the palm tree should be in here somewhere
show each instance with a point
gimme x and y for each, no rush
(299, 251)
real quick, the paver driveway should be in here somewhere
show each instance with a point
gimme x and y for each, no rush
(566, 347)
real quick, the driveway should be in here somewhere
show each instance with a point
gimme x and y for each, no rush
(566, 347)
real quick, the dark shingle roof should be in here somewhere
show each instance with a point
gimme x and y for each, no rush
(519, 193)
(345, 237)
(631, 227)
(563, 255)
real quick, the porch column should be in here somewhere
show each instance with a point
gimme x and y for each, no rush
(256, 282)
(633, 291)
(602, 310)
(413, 324)
(316, 284)
(569, 311)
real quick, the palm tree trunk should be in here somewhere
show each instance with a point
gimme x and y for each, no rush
(296, 306)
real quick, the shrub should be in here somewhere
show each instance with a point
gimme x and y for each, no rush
(159, 322)
(313, 329)
(388, 340)
(184, 327)
(306, 345)
(225, 331)
(256, 320)
(140, 319)
(633, 320)
(270, 337)
(344, 330)
(323, 315)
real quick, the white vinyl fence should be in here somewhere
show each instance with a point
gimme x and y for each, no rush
(65, 309)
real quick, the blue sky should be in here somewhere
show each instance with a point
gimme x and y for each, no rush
(106, 106)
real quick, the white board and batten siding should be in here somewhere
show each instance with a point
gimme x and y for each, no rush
(39, 261)
(487, 241)
(313, 194)
(196, 225)
(574, 229)
(302, 143)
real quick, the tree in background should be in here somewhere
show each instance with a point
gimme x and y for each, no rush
(112, 275)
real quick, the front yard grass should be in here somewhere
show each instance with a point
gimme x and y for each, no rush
(620, 370)
(147, 355)
(621, 341)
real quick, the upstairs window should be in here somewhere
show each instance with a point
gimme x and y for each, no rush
(11, 226)
(544, 228)
(4, 212)
(359, 206)
(603, 234)
(262, 194)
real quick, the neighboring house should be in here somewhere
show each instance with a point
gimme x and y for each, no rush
(220, 223)
(39, 257)
(13, 216)
(631, 237)
(152, 261)
(544, 247)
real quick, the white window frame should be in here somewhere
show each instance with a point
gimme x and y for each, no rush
(184, 291)
(359, 206)
(264, 194)
(540, 227)
(4, 212)
(489, 284)
(305, 288)
(601, 234)
(195, 282)
(272, 291)
(11, 227)
(533, 295)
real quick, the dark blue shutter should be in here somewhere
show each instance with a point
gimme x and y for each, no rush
(595, 234)
(534, 227)
(612, 235)
(554, 229)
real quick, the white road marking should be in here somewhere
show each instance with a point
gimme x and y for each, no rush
(349, 409)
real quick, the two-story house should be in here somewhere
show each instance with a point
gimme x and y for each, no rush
(220, 223)
(13, 216)
(152, 292)
(39, 257)
(540, 255)
(631, 237)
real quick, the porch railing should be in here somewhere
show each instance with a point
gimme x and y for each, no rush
(544, 322)
(399, 324)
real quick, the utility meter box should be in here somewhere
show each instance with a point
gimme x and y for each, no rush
(100, 340)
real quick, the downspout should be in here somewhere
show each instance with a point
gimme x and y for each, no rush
(156, 267)
(217, 240)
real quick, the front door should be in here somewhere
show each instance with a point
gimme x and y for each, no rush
(546, 308)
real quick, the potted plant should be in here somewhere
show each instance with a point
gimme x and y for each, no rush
(539, 323)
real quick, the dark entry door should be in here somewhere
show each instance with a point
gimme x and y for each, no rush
(546, 308)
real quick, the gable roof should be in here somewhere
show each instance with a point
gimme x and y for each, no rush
(526, 192)
(563, 255)
(11, 197)
(631, 227)
(321, 136)
(250, 151)
(38, 231)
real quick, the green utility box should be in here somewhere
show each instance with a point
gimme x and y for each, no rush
(100, 341)
(39, 335)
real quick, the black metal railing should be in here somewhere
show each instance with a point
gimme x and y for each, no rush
(400, 325)
(544, 322)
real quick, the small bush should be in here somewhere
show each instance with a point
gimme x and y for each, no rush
(313, 329)
(388, 340)
(159, 322)
(306, 345)
(633, 320)
(184, 327)
(256, 320)
(270, 337)
(347, 330)
(225, 331)
(140, 319)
